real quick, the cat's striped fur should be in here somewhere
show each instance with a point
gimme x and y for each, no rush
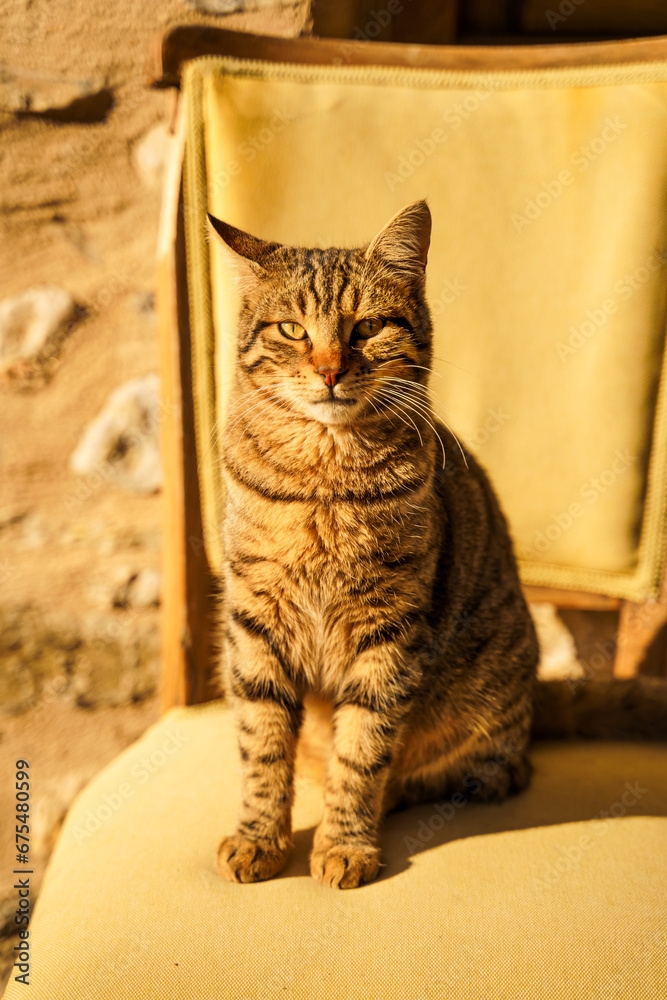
(357, 567)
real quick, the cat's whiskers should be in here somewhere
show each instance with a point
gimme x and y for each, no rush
(418, 385)
(366, 396)
(244, 395)
(233, 407)
(367, 399)
(211, 443)
(384, 414)
(381, 393)
(444, 361)
(249, 409)
(268, 395)
(258, 416)
(222, 419)
(403, 365)
(272, 397)
(422, 405)
(410, 403)
(406, 385)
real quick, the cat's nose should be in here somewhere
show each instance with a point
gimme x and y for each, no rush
(331, 375)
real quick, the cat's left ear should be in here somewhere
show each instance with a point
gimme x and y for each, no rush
(244, 256)
(403, 243)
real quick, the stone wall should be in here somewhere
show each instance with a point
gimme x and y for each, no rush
(81, 156)
(83, 146)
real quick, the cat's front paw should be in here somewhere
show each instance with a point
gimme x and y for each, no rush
(244, 860)
(344, 866)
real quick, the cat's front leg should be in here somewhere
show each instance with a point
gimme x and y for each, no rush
(367, 726)
(268, 715)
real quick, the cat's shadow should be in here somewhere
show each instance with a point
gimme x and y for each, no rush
(572, 782)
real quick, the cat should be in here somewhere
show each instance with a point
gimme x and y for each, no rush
(366, 558)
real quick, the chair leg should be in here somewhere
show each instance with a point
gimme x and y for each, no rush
(638, 626)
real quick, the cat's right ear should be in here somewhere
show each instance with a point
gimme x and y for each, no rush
(402, 245)
(242, 255)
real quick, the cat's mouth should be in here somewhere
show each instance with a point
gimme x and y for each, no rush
(334, 401)
(332, 409)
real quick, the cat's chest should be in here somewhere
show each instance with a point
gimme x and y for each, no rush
(323, 540)
(328, 517)
(320, 539)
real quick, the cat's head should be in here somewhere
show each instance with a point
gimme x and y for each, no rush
(331, 332)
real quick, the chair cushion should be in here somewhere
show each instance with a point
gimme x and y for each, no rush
(546, 274)
(543, 896)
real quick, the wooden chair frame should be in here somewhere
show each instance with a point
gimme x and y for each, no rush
(188, 646)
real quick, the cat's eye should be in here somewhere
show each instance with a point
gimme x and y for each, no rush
(366, 328)
(293, 331)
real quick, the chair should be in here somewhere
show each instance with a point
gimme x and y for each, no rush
(563, 553)
(556, 892)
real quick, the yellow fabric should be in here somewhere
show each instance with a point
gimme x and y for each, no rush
(546, 275)
(533, 899)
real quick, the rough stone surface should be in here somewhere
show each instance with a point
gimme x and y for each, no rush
(34, 532)
(150, 153)
(54, 96)
(144, 303)
(36, 657)
(104, 659)
(237, 6)
(74, 214)
(122, 444)
(141, 589)
(50, 808)
(33, 325)
(119, 662)
(7, 912)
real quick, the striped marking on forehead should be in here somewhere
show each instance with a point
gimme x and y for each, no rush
(327, 281)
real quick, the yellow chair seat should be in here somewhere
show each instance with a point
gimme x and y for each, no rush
(537, 898)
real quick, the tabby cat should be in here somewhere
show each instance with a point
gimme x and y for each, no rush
(367, 559)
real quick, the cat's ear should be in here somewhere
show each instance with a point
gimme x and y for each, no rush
(403, 243)
(244, 256)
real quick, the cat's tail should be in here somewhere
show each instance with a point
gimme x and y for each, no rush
(613, 709)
